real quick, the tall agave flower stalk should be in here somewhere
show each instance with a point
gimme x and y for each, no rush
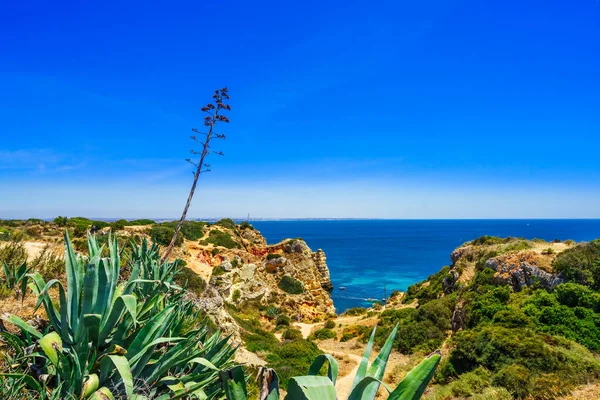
(105, 336)
(314, 387)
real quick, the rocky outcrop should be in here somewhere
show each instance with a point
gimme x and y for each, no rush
(253, 271)
(321, 263)
(520, 274)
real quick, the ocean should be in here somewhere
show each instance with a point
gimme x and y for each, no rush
(366, 255)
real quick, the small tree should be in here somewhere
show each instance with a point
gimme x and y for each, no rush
(213, 117)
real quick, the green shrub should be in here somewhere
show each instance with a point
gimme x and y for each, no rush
(330, 324)
(191, 281)
(138, 222)
(60, 221)
(355, 311)
(272, 311)
(516, 379)
(236, 295)
(163, 234)
(580, 264)
(227, 223)
(425, 293)
(291, 285)
(13, 253)
(292, 358)
(323, 334)
(217, 271)
(346, 337)
(548, 251)
(191, 230)
(291, 334)
(283, 320)
(220, 238)
(48, 264)
(246, 225)
(273, 256)
(118, 225)
(487, 241)
(471, 383)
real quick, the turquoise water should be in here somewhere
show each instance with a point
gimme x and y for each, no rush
(365, 255)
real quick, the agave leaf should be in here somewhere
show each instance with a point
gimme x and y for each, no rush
(332, 368)
(134, 358)
(377, 369)
(90, 385)
(414, 384)
(122, 365)
(102, 394)
(362, 390)
(234, 383)
(203, 361)
(364, 363)
(90, 289)
(123, 303)
(268, 384)
(74, 269)
(311, 388)
(27, 379)
(13, 319)
(51, 344)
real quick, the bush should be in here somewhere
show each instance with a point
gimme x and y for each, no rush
(291, 285)
(191, 281)
(346, 337)
(273, 256)
(246, 225)
(227, 223)
(48, 264)
(291, 334)
(220, 238)
(138, 222)
(323, 334)
(355, 311)
(61, 221)
(283, 320)
(516, 379)
(330, 324)
(548, 251)
(272, 311)
(13, 253)
(118, 225)
(163, 234)
(191, 230)
(487, 240)
(236, 295)
(580, 264)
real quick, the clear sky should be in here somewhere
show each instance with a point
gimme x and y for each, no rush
(391, 109)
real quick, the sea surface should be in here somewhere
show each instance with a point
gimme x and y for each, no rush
(366, 255)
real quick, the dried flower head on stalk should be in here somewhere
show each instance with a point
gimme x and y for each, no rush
(213, 117)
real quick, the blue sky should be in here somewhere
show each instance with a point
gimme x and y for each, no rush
(390, 109)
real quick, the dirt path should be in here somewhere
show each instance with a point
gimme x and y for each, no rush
(344, 384)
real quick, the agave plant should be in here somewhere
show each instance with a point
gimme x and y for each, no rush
(15, 276)
(314, 387)
(106, 335)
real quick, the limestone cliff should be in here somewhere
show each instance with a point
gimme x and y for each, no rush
(243, 269)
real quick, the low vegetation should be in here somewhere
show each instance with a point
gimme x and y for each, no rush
(504, 344)
(291, 285)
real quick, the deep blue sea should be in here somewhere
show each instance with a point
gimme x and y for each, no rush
(363, 255)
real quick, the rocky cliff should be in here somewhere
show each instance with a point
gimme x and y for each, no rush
(241, 269)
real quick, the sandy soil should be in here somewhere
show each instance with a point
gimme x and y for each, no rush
(195, 264)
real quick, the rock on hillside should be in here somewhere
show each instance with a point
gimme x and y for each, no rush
(517, 262)
(243, 269)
